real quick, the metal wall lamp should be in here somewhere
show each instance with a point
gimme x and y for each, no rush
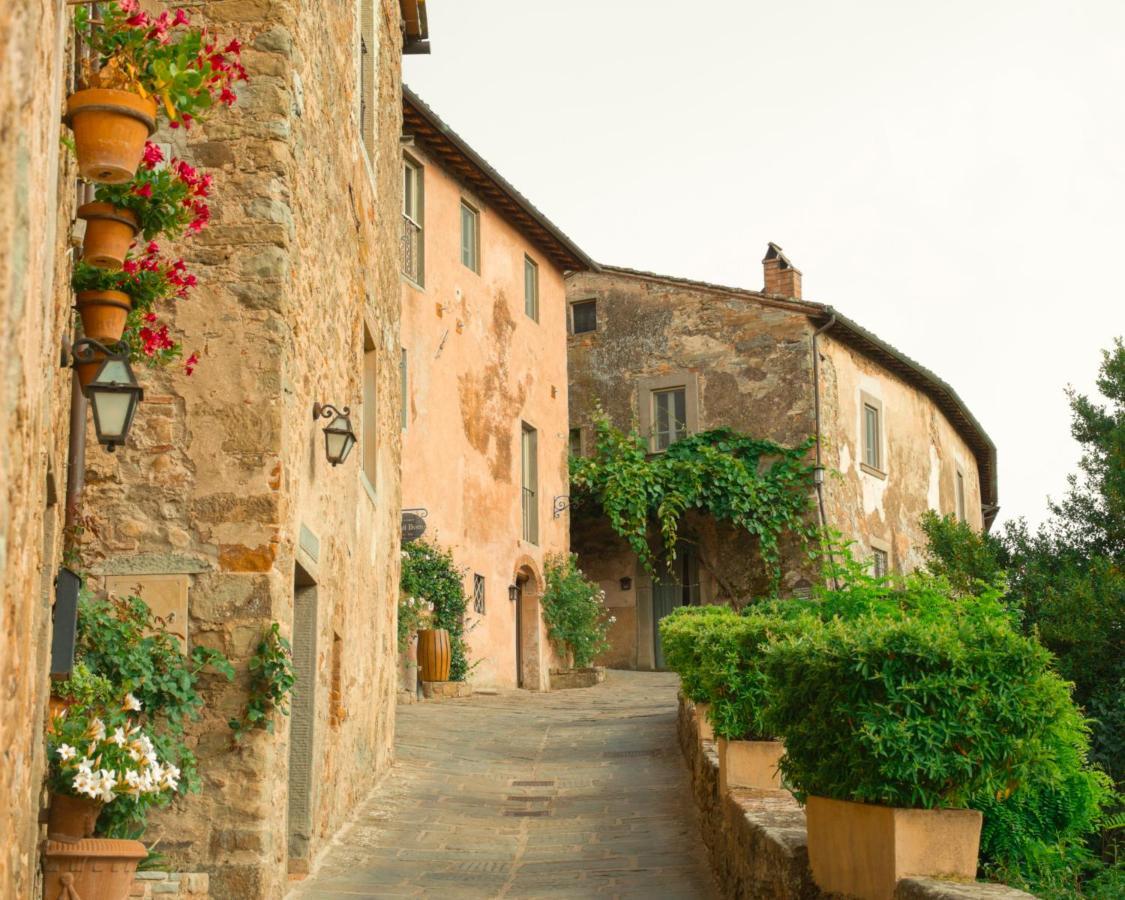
(339, 438)
(113, 392)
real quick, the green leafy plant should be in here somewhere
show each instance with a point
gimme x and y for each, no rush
(755, 485)
(168, 200)
(271, 682)
(574, 610)
(429, 573)
(414, 613)
(161, 57)
(121, 643)
(682, 634)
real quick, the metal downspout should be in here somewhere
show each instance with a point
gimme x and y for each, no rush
(818, 475)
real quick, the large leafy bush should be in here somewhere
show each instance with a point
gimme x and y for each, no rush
(429, 574)
(681, 637)
(574, 609)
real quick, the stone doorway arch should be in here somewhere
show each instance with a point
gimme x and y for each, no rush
(527, 587)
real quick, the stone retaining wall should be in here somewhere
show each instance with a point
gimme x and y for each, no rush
(757, 844)
(170, 886)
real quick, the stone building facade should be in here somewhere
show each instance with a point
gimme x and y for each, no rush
(485, 403)
(894, 439)
(38, 197)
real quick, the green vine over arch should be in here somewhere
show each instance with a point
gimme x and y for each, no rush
(756, 485)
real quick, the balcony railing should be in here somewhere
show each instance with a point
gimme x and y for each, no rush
(411, 249)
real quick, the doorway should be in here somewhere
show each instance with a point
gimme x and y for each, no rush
(525, 596)
(675, 585)
(302, 719)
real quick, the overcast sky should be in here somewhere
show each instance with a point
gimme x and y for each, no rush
(951, 175)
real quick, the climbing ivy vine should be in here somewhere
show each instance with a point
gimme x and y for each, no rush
(756, 485)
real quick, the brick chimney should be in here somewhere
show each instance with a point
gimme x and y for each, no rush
(781, 275)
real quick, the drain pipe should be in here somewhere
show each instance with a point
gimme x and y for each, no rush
(76, 454)
(818, 472)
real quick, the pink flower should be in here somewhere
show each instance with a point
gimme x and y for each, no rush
(190, 363)
(180, 18)
(227, 96)
(140, 20)
(152, 249)
(150, 317)
(130, 267)
(233, 47)
(153, 155)
(128, 6)
(145, 190)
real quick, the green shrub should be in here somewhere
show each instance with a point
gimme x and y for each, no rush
(429, 573)
(681, 633)
(731, 676)
(574, 610)
(921, 712)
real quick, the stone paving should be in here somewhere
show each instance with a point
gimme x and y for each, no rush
(572, 794)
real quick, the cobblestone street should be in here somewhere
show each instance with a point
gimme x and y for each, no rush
(571, 794)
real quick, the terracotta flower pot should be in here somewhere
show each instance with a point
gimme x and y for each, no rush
(91, 869)
(703, 722)
(72, 818)
(110, 232)
(104, 314)
(88, 370)
(750, 764)
(110, 129)
(434, 654)
(862, 850)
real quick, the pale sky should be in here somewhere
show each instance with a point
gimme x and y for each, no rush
(950, 175)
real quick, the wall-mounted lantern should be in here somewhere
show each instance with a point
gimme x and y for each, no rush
(626, 583)
(113, 392)
(339, 438)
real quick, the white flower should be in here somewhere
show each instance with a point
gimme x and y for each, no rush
(96, 730)
(171, 777)
(84, 783)
(131, 704)
(66, 752)
(86, 765)
(612, 619)
(118, 737)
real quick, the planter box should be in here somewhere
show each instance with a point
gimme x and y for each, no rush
(862, 849)
(446, 690)
(749, 764)
(706, 732)
(566, 679)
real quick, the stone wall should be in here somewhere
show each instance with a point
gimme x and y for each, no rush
(37, 197)
(170, 886)
(223, 505)
(757, 844)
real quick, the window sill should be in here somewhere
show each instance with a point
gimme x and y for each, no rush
(369, 488)
(871, 470)
(414, 284)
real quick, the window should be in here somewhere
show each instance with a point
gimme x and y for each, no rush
(584, 316)
(478, 593)
(575, 441)
(531, 288)
(529, 451)
(669, 417)
(871, 459)
(470, 237)
(879, 562)
(960, 492)
(370, 386)
(405, 387)
(412, 213)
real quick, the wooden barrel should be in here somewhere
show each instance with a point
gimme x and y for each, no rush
(434, 654)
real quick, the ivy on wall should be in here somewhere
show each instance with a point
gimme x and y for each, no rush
(755, 485)
(430, 574)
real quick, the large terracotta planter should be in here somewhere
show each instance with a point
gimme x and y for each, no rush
(110, 129)
(750, 764)
(862, 850)
(72, 818)
(703, 722)
(434, 654)
(90, 869)
(104, 314)
(110, 231)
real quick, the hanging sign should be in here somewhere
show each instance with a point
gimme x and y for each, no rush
(413, 524)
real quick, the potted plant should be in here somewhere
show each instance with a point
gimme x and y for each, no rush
(142, 66)
(97, 755)
(120, 304)
(732, 679)
(895, 721)
(429, 571)
(577, 620)
(681, 637)
(414, 614)
(168, 200)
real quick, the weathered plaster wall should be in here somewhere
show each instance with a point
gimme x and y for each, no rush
(752, 362)
(478, 366)
(37, 197)
(922, 451)
(225, 482)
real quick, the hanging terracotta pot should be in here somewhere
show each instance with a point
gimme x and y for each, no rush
(72, 818)
(110, 129)
(434, 654)
(87, 371)
(91, 869)
(104, 314)
(110, 232)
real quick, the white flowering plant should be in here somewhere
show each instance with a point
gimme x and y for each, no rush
(101, 753)
(574, 609)
(414, 614)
